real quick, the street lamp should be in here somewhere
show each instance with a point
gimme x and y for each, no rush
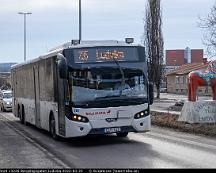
(24, 14)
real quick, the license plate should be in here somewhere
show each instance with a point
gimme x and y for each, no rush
(112, 130)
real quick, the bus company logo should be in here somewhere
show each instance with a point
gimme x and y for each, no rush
(75, 110)
(99, 112)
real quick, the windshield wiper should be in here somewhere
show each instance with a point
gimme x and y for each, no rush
(123, 77)
(113, 96)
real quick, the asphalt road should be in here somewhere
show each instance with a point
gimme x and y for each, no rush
(27, 146)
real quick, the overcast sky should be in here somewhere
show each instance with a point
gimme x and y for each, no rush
(54, 22)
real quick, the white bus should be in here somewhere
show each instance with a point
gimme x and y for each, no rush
(82, 88)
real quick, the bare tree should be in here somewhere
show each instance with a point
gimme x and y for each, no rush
(209, 25)
(153, 42)
(4, 85)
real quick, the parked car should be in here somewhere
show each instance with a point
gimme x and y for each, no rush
(6, 100)
(163, 90)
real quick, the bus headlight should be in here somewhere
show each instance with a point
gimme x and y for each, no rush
(142, 114)
(79, 118)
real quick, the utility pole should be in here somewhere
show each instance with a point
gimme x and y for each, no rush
(24, 14)
(80, 21)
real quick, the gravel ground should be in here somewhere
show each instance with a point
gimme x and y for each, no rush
(170, 120)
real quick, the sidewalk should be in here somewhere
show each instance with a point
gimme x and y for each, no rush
(16, 151)
(167, 101)
(172, 96)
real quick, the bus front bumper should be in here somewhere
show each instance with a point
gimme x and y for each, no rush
(75, 129)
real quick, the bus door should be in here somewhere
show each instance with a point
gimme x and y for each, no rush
(37, 95)
(14, 91)
(61, 84)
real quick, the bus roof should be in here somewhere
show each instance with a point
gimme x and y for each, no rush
(45, 56)
(91, 43)
(87, 43)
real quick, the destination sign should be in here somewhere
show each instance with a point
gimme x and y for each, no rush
(109, 55)
(103, 54)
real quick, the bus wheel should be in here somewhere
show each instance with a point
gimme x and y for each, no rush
(24, 117)
(122, 134)
(52, 128)
(20, 115)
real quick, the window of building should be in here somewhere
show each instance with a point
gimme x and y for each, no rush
(174, 59)
(179, 79)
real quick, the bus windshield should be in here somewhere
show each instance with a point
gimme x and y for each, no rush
(108, 86)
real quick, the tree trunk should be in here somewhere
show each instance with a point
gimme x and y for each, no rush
(153, 42)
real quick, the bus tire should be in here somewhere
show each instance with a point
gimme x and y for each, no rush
(20, 115)
(3, 109)
(124, 134)
(52, 128)
(23, 116)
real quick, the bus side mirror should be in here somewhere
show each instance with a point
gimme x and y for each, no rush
(62, 66)
(151, 93)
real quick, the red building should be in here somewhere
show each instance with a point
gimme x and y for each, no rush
(197, 55)
(183, 56)
(174, 57)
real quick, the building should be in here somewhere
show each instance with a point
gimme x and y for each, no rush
(5, 67)
(177, 79)
(178, 57)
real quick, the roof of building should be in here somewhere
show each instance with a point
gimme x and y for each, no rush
(187, 68)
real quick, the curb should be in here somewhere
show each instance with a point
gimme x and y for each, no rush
(170, 120)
